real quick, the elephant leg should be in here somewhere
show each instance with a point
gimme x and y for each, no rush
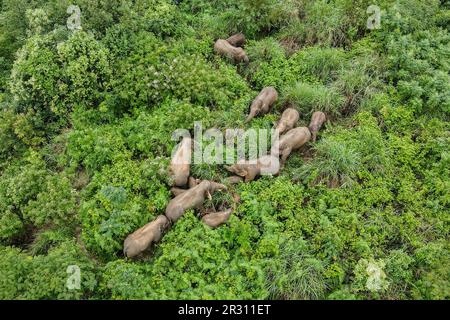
(285, 154)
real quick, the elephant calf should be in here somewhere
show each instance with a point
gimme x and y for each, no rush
(180, 163)
(292, 140)
(262, 103)
(288, 120)
(215, 219)
(191, 199)
(250, 169)
(142, 238)
(317, 120)
(235, 54)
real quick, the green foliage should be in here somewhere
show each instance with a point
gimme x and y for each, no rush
(86, 125)
(300, 276)
(31, 195)
(153, 72)
(56, 205)
(119, 199)
(307, 98)
(10, 145)
(45, 277)
(417, 57)
(14, 265)
(49, 80)
(336, 162)
(319, 63)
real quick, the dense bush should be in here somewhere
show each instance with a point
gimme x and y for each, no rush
(45, 277)
(120, 198)
(153, 72)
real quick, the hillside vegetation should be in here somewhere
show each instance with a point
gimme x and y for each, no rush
(86, 119)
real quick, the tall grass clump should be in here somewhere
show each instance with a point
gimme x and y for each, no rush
(307, 98)
(297, 276)
(320, 63)
(336, 163)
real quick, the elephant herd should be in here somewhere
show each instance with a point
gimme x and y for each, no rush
(190, 193)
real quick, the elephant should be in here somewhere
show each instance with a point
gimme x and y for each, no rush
(250, 169)
(317, 120)
(180, 163)
(292, 140)
(288, 120)
(191, 199)
(215, 219)
(235, 54)
(141, 239)
(237, 40)
(262, 103)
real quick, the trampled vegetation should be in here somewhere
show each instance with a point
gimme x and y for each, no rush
(86, 119)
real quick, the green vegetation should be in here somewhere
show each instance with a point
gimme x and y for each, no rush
(86, 120)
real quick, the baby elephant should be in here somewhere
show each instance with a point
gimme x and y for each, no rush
(191, 199)
(291, 141)
(288, 120)
(224, 48)
(180, 163)
(268, 164)
(142, 238)
(317, 120)
(215, 219)
(262, 103)
(237, 40)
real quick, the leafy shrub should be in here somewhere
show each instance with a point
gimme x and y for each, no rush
(32, 196)
(95, 147)
(45, 277)
(421, 75)
(158, 73)
(55, 205)
(119, 200)
(49, 80)
(86, 71)
(18, 186)
(433, 281)
(208, 278)
(252, 17)
(10, 145)
(48, 276)
(14, 265)
(125, 280)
